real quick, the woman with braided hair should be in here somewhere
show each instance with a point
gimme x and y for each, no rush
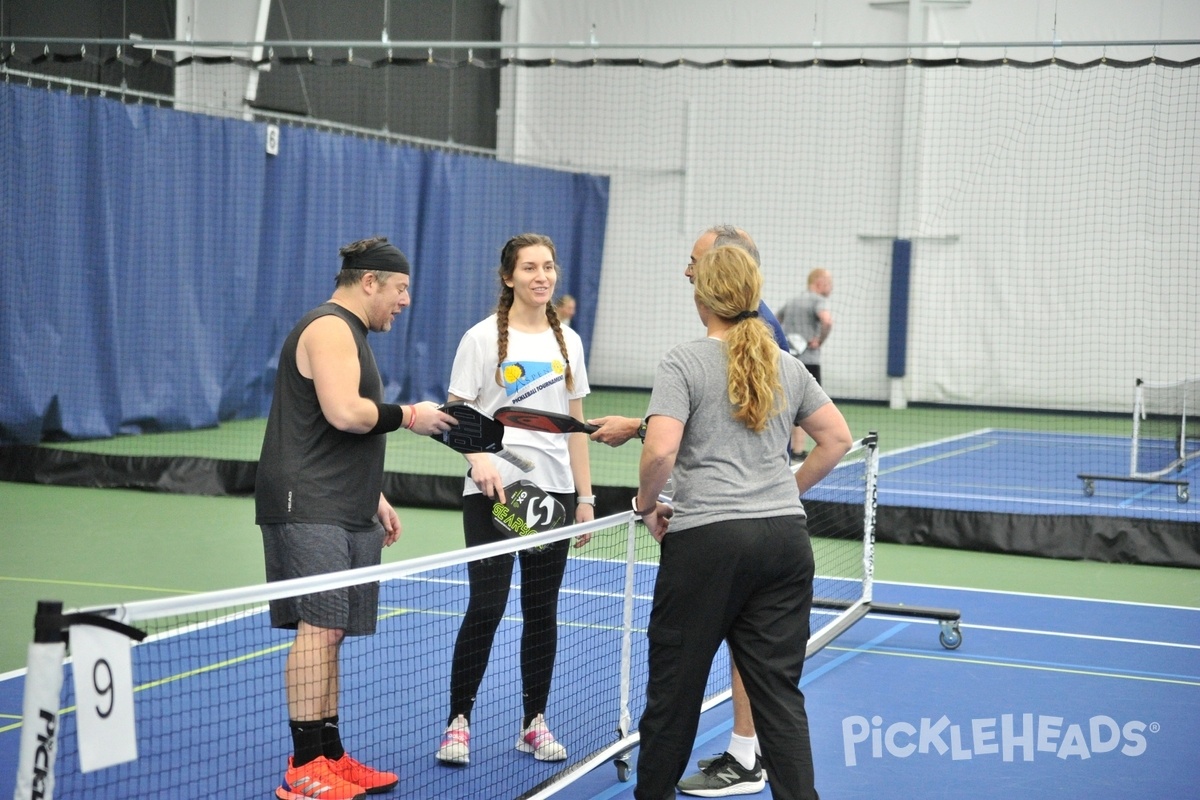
(524, 356)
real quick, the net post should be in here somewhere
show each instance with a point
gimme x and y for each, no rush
(40, 710)
(1138, 406)
(625, 719)
(870, 502)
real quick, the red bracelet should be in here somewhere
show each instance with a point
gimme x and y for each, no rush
(412, 417)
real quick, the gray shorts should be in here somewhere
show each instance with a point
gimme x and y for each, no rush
(296, 550)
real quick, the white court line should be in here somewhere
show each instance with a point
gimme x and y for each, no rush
(1093, 637)
(984, 486)
(1013, 593)
(920, 462)
(935, 443)
(990, 497)
(1013, 434)
(1061, 634)
(1044, 438)
(1167, 510)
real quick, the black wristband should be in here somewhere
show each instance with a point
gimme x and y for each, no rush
(391, 417)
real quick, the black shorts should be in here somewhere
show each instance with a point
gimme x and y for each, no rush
(296, 550)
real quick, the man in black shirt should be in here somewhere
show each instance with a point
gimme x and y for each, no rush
(319, 502)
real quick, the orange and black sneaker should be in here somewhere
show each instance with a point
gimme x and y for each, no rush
(371, 780)
(317, 779)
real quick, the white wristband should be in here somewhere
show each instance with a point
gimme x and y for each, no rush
(586, 500)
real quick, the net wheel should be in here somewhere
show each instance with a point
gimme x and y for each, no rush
(950, 636)
(1089, 488)
(1181, 494)
(622, 769)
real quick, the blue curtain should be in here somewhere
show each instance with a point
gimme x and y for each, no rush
(153, 261)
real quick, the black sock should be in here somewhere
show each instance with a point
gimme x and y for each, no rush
(306, 740)
(331, 739)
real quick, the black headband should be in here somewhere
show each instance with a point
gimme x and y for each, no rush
(382, 257)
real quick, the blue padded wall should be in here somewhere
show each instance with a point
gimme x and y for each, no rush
(152, 261)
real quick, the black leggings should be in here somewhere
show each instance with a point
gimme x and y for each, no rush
(541, 576)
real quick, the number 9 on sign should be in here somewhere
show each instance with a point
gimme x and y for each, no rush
(104, 697)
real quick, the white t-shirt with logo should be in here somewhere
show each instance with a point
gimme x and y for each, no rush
(533, 376)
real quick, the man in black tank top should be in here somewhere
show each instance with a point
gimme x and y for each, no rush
(319, 502)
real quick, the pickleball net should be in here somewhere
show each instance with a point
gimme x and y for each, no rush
(1166, 426)
(209, 703)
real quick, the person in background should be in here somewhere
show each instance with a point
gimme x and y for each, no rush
(319, 502)
(565, 308)
(521, 355)
(616, 431)
(808, 320)
(737, 528)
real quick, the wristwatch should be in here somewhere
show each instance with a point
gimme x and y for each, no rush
(641, 434)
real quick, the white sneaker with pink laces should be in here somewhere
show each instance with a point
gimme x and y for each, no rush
(538, 739)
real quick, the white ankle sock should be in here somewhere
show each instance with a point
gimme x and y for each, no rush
(744, 749)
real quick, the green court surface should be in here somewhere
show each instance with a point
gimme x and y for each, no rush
(97, 546)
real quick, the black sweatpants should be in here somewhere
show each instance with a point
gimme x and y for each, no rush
(541, 576)
(750, 582)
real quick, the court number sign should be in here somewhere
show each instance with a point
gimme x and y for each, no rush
(104, 697)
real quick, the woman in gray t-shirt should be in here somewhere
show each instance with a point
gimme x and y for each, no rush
(736, 562)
